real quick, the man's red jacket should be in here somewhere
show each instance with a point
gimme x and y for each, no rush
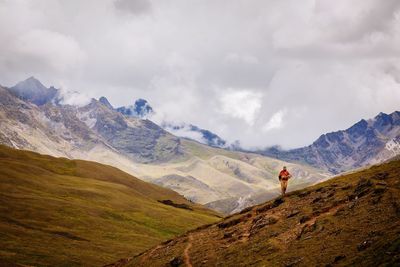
(284, 174)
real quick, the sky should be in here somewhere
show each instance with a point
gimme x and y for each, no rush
(264, 72)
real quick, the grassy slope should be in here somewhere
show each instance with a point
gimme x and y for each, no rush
(55, 211)
(352, 220)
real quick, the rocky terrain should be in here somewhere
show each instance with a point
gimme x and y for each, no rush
(140, 109)
(365, 143)
(80, 128)
(351, 220)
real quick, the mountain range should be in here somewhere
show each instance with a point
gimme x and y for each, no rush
(40, 119)
(226, 181)
(365, 143)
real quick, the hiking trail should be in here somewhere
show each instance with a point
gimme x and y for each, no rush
(186, 251)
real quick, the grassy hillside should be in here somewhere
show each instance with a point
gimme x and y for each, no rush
(352, 220)
(61, 212)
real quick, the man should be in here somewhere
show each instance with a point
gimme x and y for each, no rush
(284, 177)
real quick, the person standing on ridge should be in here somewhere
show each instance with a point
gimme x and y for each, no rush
(284, 177)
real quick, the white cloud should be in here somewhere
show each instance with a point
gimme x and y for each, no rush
(51, 49)
(240, 103)
(246, 59)
(134, 7)
(186, 132)
(275, 122)
(229, 73)
(72, 98)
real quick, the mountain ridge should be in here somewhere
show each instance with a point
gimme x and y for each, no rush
(365, 143)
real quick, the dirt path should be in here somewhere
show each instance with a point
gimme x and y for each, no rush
(186, 251)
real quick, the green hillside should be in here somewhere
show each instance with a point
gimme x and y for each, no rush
(60, 212)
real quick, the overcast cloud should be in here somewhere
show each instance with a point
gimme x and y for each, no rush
(262, 72)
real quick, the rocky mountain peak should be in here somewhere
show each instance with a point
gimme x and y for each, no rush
(383, 122)
(141, 109)
(33, 91)
(105, 102)
(358, 129)
(396, 116)
(142, 106)
(321, 142)
(30, 84)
